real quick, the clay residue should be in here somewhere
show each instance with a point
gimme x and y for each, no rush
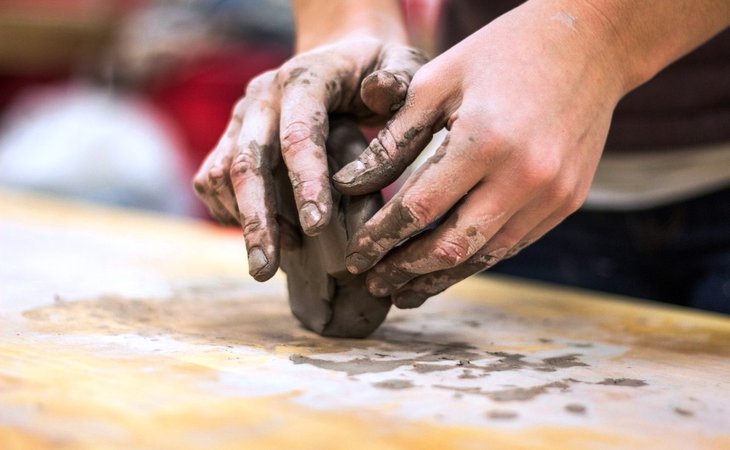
(575, 408)
(511, 394)
(521, 394)
(433, 358)
(581, 344)
(552, 364)
(630, 382)
(502, 415)
(525, 394)
(684, 412)
(394, 384)
(357, 366)
(443, 357)
(467, 374)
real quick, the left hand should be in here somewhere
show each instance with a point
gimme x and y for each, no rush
(527, 101)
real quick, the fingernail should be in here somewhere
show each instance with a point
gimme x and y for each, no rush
(349, 173)
(377, 286)
(408, 299)
(356, 262)
(310, 216)
(256, 261)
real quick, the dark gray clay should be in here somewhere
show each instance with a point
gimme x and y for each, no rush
(323, 295)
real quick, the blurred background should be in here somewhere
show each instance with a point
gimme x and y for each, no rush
(119, 101)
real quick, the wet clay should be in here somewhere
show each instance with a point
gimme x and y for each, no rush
(323, 295)
(575, 408)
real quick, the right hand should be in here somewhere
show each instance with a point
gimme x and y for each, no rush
(287, 110)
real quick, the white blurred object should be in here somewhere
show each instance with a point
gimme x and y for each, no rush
(90, 144)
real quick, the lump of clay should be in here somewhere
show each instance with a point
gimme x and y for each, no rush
(323, 295)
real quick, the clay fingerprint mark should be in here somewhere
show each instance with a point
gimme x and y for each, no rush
(511, 394)
(394, 384)
(443, 357)
(630, 382)
(221, 312)
(502, 415)
(523, 394)
(684, 412)
(575, 408)
(447, 354)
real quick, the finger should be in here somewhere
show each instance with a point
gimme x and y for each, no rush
(303, 131)
(550, 206)
(506, 243)
(252, 180)
(468, 228)
(429, 193)
(384, 90)
(212, 183)
(395, 147)
(537, 233)
(420, 289)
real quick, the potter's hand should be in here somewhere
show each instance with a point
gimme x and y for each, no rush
(527, 104)
(286, 110)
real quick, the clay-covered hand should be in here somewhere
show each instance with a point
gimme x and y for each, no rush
(527, 101)
(285, 112)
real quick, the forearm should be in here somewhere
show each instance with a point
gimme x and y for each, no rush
(320, 22)
(648, 36)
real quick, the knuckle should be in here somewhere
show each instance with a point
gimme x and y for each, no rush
(573, 203)
(433, 284)
(242, 164)
(418, 211)
(310, 188)
(395, 274)
(295, 136)
(565, 195)
(216, 176)
(379, 146)
(562, 191)
(238, 109)
(251, 225)
(259, 84)
(294, 70)
(483, 259)
(539, 172)
(422, 79)
(200, 183)
(451, 252)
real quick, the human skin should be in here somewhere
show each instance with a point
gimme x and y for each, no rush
(351, 58)
(527, 101)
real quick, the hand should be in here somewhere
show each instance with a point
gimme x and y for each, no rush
(527, 101)
(286, 110)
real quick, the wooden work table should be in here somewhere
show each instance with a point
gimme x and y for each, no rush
(124, 330)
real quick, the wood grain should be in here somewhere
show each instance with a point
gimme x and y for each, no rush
(127, 330)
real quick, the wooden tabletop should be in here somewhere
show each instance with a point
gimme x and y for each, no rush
(124, 330)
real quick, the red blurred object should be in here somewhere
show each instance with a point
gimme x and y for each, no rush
(200, 97)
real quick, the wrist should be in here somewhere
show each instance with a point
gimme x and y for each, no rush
(642, 38)
(324, 22)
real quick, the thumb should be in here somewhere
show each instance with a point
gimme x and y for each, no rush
(384, 90)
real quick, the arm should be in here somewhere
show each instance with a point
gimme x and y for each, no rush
(351, 59)
(528, 101)
(320, 22)
(645, 37)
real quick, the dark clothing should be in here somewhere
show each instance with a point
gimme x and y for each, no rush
(687, 104)
(678, 254)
